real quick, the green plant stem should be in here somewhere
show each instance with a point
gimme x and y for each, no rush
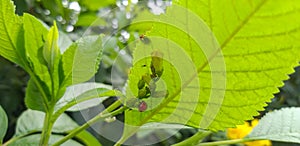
(105, 114)
(76, 101)
(234, 141)
(194, 139)
(47, 128)
(16, 138)
(112, 107)
(12, 140)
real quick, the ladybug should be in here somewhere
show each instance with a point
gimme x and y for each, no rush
(142, 106)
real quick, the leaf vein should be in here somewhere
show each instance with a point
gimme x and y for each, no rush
(285, 49)
(263, 36)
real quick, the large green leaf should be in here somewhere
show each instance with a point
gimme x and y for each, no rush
(219, 70)
(84, 90)
(33, 140)
(32, 122)
(3, 124)
(281, 125)
(152, 126)
(81, 60)
(10, 33)
(83, 137)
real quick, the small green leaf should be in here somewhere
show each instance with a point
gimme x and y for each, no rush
(52, 55)
(33, 97)
(33, 140)
(280, 125)
(11, 38)
(83, 90)
(3, 124)
(81, 60)
(51, 50)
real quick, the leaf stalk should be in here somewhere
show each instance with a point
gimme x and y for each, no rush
(101, 116)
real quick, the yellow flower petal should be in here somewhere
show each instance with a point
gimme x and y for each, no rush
(259, 143)
(243, 130)
(254, 122)
(239, 132)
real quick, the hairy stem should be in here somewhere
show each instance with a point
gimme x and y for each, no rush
(46, 132)
(76, 101)
(16, 138)
(101, 116)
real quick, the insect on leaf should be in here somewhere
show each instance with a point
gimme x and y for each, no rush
(222, 61)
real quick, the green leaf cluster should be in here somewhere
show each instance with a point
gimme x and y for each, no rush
(26, 42)
(53, 65)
